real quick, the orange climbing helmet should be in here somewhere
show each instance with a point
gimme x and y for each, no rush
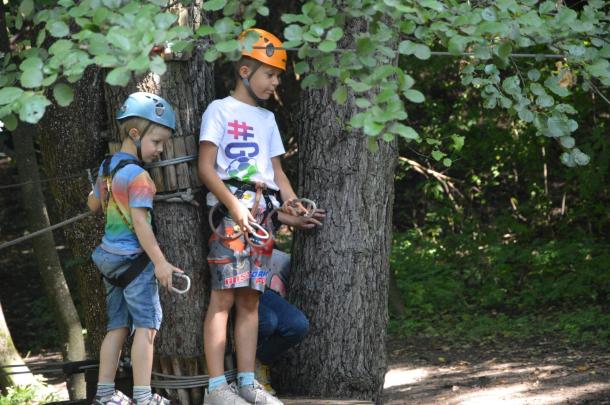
(265, 49)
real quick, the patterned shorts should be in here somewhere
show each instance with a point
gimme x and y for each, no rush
(235, 263)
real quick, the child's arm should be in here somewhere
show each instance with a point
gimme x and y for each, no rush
(93, 202)
(205, 168)
(146, 237)
(303, 222)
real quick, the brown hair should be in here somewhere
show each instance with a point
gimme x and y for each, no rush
(133, 122)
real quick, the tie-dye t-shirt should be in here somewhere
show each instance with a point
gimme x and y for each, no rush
(131, 187)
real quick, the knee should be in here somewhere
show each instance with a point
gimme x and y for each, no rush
(221, 301)
(246, 305)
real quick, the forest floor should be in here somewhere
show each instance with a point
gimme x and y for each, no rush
(424, 371)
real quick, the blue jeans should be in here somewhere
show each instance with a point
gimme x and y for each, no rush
(280, 326)
(138, 304)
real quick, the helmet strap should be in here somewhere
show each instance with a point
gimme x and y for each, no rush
(246, 82)
(138, 142)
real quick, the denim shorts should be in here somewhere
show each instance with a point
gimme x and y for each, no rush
(235, 263)
(135, 306)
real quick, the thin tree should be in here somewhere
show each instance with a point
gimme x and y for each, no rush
(13, 370)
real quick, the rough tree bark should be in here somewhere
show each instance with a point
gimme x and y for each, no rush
(181, 227)
(72, 140)
(342, 270)
(9, 356)
(49, 265)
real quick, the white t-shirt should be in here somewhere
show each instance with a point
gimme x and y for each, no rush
(247, 138)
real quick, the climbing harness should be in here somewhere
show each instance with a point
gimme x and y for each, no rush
(270, 212)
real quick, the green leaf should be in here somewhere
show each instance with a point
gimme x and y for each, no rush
(433, 4)
(31, 78)
(458, 142)
(211, 55)
(213, 5)
(414, 96)
(157, 65)
(118, 76)
(26, 7)
(526, 115)
(334, 34)
(363, 102)
(567, 142)
(58, 29)
(340, 94)
(32, 62)
(406, 47)
(545, 101)
(293, 32)
(228, 46)
(10, 122)
(9, 94)
(327, 46)
(404, 131)
(533, 74)
(504, 50)
(422, 52)
(165, 20)
(63, 94)
(263, 10)
(457, 44)
(205, 30)
(117, 38)
(32, 108)
(438, 155)
(557, 126)
(358, 87)
(372, 128)
(365, 46)
(489, 14)
(447, 162)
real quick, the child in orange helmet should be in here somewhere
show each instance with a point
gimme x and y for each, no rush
(239, 162)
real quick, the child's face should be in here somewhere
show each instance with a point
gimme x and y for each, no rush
(265, 81)
(153, 141)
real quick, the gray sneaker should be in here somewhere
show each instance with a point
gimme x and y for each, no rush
(118, 398)
(225, 395)
(256, 394)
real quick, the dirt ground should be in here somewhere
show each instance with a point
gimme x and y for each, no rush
(540, 372)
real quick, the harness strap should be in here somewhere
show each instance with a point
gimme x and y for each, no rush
(109, 176)
(135, 268)
(138, 265)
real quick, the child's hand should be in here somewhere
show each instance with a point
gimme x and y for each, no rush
(242, 217)
(294, 207)
(164, 272)
(316, 219)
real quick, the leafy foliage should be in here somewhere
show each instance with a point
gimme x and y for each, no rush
(58, 40)
(30, 394)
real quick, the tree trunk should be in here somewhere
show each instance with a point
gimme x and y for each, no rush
(46, 255)
(72, 140)
(181, 227)
(342, 269)
(10, 357)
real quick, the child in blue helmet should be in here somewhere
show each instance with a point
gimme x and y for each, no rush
(129, 257)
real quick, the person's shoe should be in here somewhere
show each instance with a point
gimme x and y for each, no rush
(256, 394)
(156, 399)
(118, 398)
(224, 395)
(263, 376)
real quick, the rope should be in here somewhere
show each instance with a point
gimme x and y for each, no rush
(179, 197)
(73, 176)
(173, 161)
(44, 230)
(168, 381)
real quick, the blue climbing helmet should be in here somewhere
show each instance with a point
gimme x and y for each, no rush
(148, 106)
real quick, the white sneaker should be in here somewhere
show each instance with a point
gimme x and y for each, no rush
(224, 395)
(256, 394)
